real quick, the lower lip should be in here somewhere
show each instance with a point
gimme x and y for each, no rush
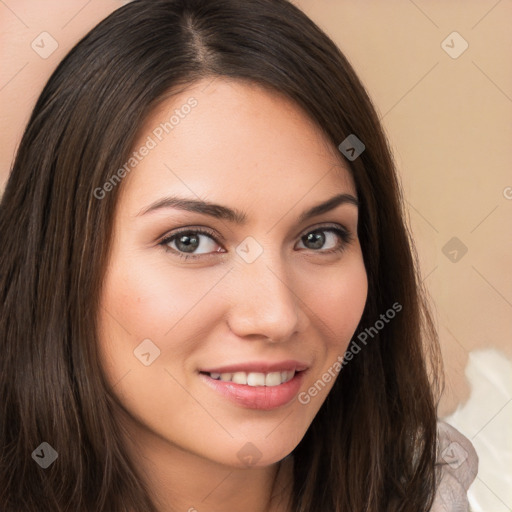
(257, 397)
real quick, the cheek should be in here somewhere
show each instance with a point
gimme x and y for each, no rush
(173, 311)
(146, 300)
(338, 302)
(337, 307)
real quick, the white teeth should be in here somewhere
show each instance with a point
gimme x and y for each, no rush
(239, 378)
(273, 379)
(255, 379)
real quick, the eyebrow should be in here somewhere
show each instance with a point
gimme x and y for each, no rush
(233, 215)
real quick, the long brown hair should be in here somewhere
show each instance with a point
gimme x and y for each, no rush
(372, 445)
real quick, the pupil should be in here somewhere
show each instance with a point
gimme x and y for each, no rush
(189, 243)
(317, 239)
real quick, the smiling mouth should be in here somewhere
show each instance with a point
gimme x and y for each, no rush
(254, 379)
(257, 390)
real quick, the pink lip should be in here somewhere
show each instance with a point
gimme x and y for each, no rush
(262, 367)
(256, 397)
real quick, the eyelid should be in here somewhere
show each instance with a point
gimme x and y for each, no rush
(196, 229)
(326, 226)
(167, 238)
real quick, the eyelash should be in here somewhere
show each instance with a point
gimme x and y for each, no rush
(343, 233)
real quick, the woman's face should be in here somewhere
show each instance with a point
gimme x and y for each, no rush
(261, 289)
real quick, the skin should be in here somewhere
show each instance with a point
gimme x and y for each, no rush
(253, 150)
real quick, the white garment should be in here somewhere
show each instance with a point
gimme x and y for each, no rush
(459, 463)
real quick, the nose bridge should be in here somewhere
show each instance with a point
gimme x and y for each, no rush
(264, 303)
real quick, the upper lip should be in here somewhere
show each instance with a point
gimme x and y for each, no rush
(259, 367)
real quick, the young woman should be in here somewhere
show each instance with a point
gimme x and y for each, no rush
(209, 296)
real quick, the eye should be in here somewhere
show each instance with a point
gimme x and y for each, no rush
(328, 239)
(191, 243)
(197, 243)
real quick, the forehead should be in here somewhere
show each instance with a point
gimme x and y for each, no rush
(233, 141)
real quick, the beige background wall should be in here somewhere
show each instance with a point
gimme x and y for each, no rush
(447, 110)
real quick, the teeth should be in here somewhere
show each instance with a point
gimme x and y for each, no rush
(255, 379)
(239, 378)
(273, 379)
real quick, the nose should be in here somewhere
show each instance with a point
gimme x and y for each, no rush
(263, 303)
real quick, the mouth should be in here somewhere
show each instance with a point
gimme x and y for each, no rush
(254, 379)
(263, 387)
